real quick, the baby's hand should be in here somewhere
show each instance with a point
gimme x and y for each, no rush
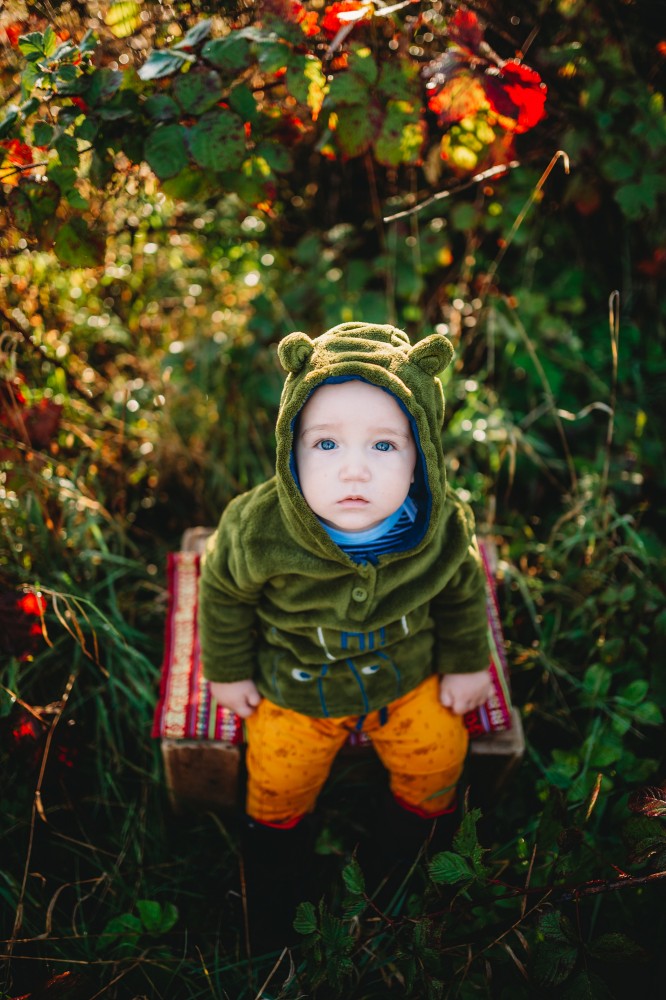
(241, 697)
(463, 692)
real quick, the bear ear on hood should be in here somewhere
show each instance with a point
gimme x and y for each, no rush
(295, 351)
(433, 354)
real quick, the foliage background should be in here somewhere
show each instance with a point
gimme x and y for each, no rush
(143, 290)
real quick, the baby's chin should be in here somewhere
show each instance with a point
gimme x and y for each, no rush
(353, 521)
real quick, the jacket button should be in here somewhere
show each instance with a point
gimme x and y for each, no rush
(359, 593)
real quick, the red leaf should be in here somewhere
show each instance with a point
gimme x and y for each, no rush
(17, 152)
(517, 93)
(461, 96)
(308, 20)
(42, 422)
(14, 31)
(80, 104)
(464, 29)
(16, 635)
(32, 604)
(331, 22)
(648, 801)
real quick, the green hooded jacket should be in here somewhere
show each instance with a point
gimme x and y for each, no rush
(282, 604)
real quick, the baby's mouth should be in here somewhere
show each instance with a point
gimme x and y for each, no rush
(353, 500)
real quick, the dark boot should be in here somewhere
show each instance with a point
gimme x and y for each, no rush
(276, 866)
(390, 860)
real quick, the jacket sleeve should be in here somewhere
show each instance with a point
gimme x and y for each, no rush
(460, 617)
(228, 599)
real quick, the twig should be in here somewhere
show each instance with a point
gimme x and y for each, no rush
(271, 974)
(527, 879)
(614, 327)
(566, 894)
(37, 807)
(497, 171)
(559, 155)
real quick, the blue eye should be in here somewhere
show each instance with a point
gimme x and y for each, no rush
(326, 444)
(384, 446)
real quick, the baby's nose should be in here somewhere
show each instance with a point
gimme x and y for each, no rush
(355, 468)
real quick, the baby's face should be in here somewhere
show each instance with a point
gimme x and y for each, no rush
(355, 455)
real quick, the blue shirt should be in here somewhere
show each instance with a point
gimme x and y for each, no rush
(390, 535)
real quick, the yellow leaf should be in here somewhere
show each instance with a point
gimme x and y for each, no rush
(124, 17)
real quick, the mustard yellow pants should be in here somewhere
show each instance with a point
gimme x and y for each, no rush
(421, 743)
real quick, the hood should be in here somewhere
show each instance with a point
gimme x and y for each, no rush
(383, 356)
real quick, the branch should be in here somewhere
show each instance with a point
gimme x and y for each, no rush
(497, 171)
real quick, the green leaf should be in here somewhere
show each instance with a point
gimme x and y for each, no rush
(124, 926)
(103, 84)
(161, 108)
(89, 42)
(399, 80)
(217, 141)
(29, 78)
(617, 947)
(50, 41)
(636, 200)
(272, 54)
(76, 200)
(32, 45)
(161, 63)
(34, 203)
(596, 684)
(230, 54)
(101, 168)
(278, 157)
(634, 692)
(195, 35)
(243, 101)
(553, 962)
(188, 185)
(347, 88)
(305, 921)
(42, 133)
(87, 129)
(353, 907)
(165, 150)
(67, 150)
(449, 868)
(465, 841)
(21, 209)
(306, 81)
(402, 135)
(644, 838)
(29, 106)
(67, 73)
(617, 168)
(648, 714)
(335, 936)
(155, 917)
(8, 122)
(352, 876)
(357, 128)
(361, 62)
(585, 985)
(197, 92)
(77, 245)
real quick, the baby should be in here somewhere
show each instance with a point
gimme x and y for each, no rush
(346, 593)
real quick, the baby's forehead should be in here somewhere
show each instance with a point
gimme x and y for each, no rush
(356, 399)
